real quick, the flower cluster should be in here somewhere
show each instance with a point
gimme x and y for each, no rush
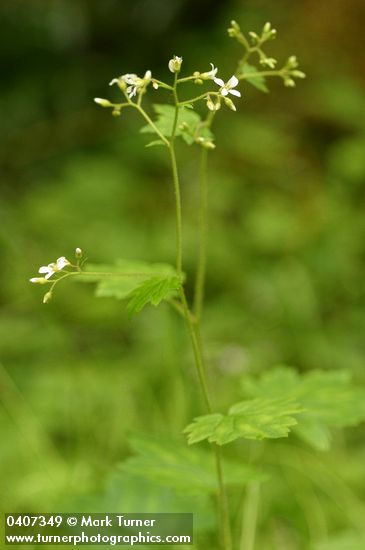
(132, 84)
(55, 268)
(50, 269)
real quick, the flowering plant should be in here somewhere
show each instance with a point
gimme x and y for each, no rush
(279, 402)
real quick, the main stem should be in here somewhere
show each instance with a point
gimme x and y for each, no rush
(203, 230)
(194, 332)
(175, 177)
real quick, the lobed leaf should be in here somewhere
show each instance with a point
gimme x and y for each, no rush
(152, 291)
(141, 282)
(258, 80)
(254, 419)
(184, 469)
(328, 398)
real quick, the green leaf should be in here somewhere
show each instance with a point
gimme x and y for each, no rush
(188, 123)
(126, 277)
(328, 398)
(258, 81)
(130, 492)
(152, 291)
(255, 419)
(187, 470)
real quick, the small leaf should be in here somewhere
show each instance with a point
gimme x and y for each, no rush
(152, 291)
(255, 419)
(327, 397)
(156, 142)
(258, 81)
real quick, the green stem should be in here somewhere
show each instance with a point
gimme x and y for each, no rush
(175, 176)
(194, 332)
(198, 355)
(197, 98)
(199, 362)
(186, 79)
(261, 73)
(203, 231)
(249, 520)
(151, 123)
(223, 500)
(203, 224)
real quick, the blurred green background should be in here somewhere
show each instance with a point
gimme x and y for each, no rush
(286, 258)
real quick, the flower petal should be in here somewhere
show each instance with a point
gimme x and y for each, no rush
(218, 81)
(224, 92)
(232, 82)
(62, 262)
(235, 92)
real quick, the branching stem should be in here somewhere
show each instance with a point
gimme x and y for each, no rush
(194, 332)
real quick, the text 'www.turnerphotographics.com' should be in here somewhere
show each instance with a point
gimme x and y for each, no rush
(99, 529)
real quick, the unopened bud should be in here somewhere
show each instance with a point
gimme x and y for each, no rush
(269, 62)
(206, 143)
(103, 102)
(120, 83)
(292, 62)
(298, 74)
(38, 280)
(234, 29)
(230, 104)
(254, 36)
(116, 112)
(47, 297)
(289, 82)
(78, 253)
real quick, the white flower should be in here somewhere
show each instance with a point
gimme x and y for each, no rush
(175, 64)
(210, 74)
(227, 88)
(52, 268)
(132, 82)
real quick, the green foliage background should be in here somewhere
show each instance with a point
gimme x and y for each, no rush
(286, 259)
